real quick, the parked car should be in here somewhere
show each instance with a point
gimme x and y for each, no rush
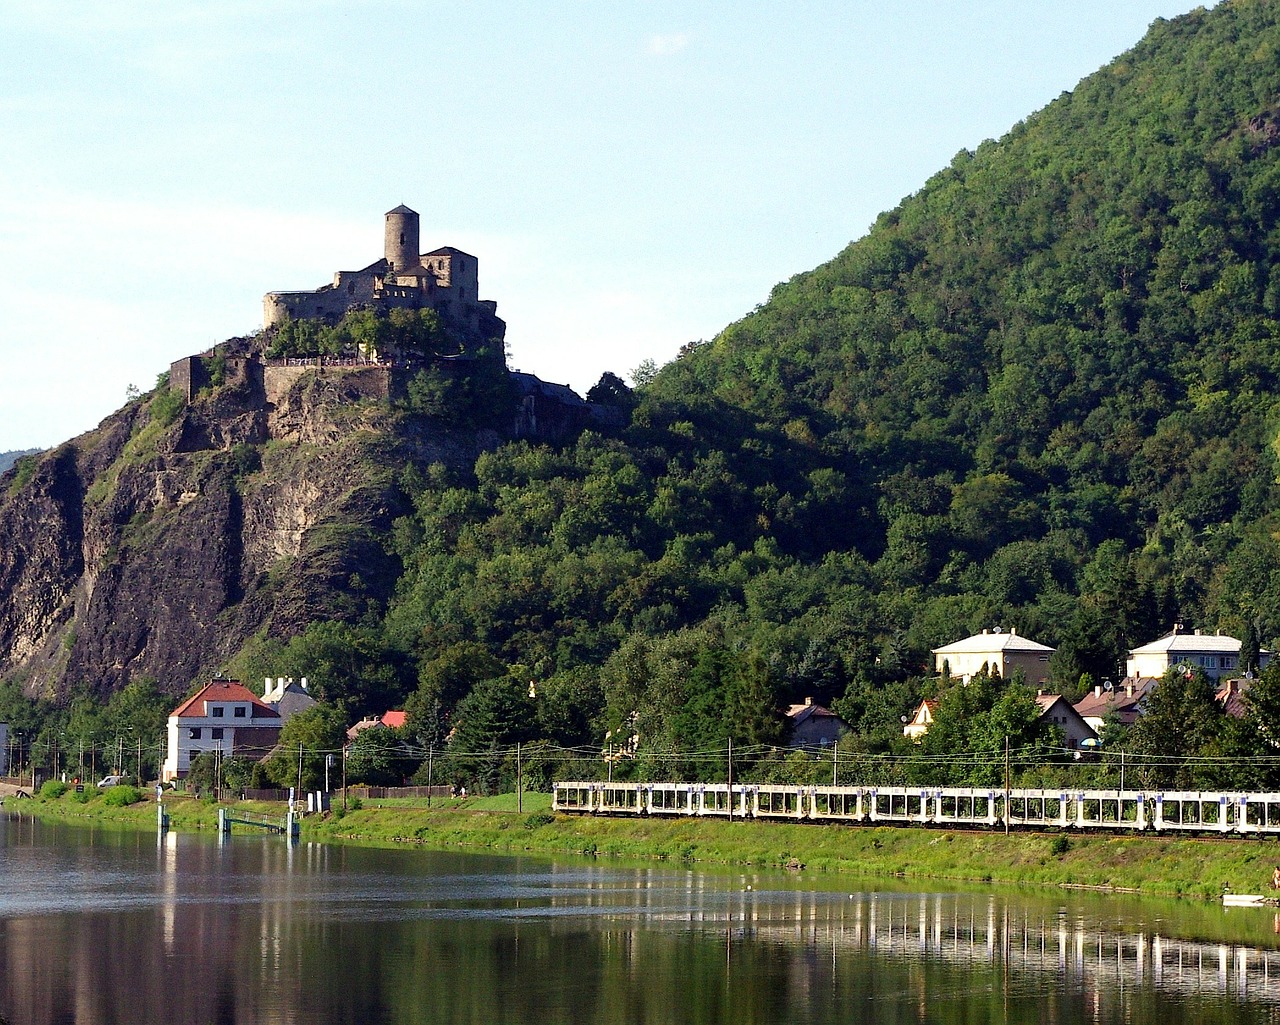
(110, 781)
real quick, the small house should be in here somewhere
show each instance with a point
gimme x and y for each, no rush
(1058, 711)
(814, 726)
(920, 722)
(1123, 704)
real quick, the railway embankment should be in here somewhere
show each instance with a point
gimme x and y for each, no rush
(1196, 867)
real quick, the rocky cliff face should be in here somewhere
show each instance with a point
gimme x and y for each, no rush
(159, 543)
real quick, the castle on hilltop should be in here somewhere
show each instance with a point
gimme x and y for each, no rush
(444, 280)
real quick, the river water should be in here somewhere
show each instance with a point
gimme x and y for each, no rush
(104, 926)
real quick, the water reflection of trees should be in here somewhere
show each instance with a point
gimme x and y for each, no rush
(188, 931)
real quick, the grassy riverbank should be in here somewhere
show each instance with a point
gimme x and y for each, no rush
(1153, 865)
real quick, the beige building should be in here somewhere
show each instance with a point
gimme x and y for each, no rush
(1000, 652)
(1217, 654)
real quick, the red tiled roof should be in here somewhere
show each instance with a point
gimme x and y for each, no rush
(224, 690)
(393, 720)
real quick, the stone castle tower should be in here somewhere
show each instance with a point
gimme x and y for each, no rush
(400, 245)
(445, 280)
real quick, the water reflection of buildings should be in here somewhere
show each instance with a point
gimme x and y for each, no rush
(966, 932)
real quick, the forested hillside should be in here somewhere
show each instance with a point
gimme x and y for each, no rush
(1040, 393)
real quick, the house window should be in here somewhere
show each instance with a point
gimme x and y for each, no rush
(215, 733)
(239, 711)
(218, 711)
(194, 733)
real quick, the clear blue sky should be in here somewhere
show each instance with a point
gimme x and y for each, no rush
(631, 176)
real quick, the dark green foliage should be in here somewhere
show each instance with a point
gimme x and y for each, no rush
(377, 758)
(400, 334)
(122, 795)
(52, 789)
(305, 741)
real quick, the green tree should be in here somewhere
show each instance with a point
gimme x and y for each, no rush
(305, 741)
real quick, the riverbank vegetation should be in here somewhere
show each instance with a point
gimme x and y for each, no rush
(1182, 867)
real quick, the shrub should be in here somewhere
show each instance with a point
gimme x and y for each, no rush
(355, 804)
(52, 789)
(121, 796)
(1059, 846)
(539, 818)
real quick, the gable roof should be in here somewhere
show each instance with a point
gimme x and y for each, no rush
(802, 713)
(224, 690)
(393, 720)
(1124, 702)
(993, 640)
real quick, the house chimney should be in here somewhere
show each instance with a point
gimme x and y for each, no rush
(985, 631)
(1197, 631)
(1013, 630)
(808, 701)
(1097, 691)
(304, 683)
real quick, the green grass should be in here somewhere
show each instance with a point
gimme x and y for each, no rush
(1149, 864)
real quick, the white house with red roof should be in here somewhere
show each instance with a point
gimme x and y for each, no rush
(224, 716)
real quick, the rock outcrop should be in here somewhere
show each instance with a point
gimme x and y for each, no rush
(159, 543)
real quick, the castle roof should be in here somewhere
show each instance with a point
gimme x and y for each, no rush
(528, 384)
(401, 209)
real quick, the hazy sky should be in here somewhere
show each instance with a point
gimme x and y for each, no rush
(631, 176)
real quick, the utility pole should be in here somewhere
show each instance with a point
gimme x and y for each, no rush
(519, 782)
(835, 758)
(431, 752)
